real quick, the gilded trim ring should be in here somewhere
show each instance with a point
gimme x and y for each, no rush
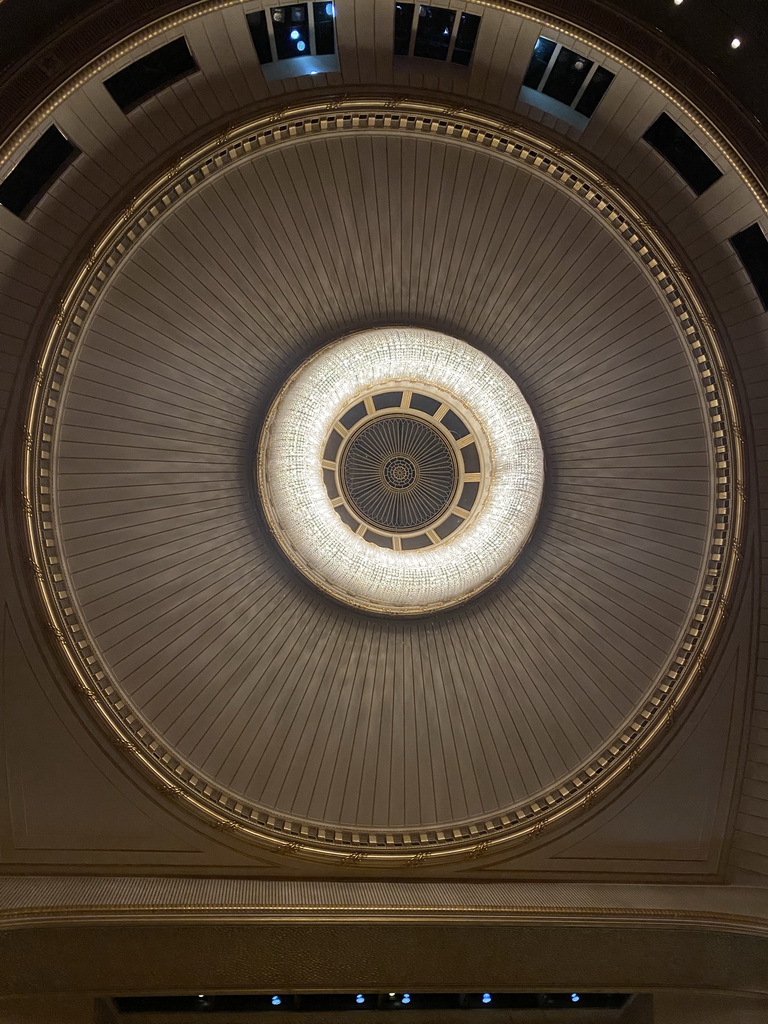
(315, 839)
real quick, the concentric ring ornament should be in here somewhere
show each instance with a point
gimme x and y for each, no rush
(401, 470)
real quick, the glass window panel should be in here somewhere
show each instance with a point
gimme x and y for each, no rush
(453, 424)
(433, 34)
(257, 23)
(403, 24)
(351, 416)
(465, 39)
(148, 75)
(424, 404)
(689, 160)
(752, 247)
(36, 170)
(325, 42)
(595, 91)
(388, 400)
(542, 52)
(291, 31)
(567, 76)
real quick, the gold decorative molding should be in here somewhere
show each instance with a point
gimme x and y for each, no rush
(319, 839)
(166, 913)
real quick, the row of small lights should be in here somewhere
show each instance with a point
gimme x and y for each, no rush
(405, 998)
(735, 42)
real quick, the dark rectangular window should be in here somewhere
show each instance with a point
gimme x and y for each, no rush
(689, 160)
(36, 170)
(752, 247)
(257, 23)
(148, 75)
(291, 31)
(465, 39)
(324, 36)
(372, 1004)
(403, 23)
(567, 76)
(594, 91)
(433, 33)
(542, 52)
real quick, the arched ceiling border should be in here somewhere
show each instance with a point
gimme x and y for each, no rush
(718, 399)
(749, 174)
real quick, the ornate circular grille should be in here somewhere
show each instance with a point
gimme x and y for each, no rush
(398, 473)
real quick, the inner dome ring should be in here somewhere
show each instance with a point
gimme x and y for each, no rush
(398, 473)
(332, 553)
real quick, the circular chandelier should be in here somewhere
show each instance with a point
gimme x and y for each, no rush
(400, 470)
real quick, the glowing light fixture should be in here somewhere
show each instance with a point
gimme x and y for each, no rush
(331, 553)
(486, 997)
(735, 43)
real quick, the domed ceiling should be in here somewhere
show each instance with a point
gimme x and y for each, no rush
(227, 671)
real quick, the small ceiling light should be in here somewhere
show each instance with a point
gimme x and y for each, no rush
(330, 10)
(735, 43)
(579, 65)
(359, 998)
(276, 1000)
(406, 998)
(486, 997)
(294, 33)
(574, 997)
(392, 995)
(678, 2)
(301, 46)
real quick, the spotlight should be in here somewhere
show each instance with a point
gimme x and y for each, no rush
(678, 2)
(486, 997)
(301, 46)
(406, 998)
(392, 995)
(276, 1000)
(294, 33)
(735, 43)
(330, 10)
(574, 997)
(360, 998)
